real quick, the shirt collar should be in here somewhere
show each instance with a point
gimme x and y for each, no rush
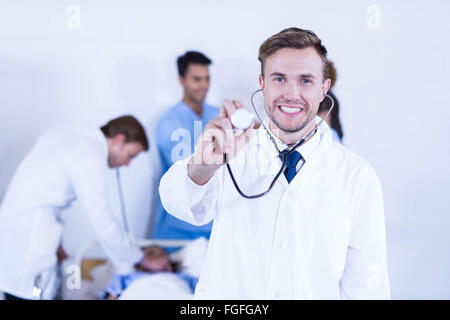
(104, 142)
(188, 110)
(305, 150)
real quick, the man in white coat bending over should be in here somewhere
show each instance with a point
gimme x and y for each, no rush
(65, 163)
(319, 233)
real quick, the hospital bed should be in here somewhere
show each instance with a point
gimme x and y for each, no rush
(96, 272)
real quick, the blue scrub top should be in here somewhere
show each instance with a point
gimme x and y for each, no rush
(177, 132)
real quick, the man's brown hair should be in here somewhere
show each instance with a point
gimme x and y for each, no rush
(294, 38)
(130, 127)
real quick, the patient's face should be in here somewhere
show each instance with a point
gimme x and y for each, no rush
(157, 260)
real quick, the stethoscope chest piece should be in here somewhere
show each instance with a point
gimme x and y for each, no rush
(241, 119)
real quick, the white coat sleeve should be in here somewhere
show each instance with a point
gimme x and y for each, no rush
(365, 274)
(186, 200)
(89, 182)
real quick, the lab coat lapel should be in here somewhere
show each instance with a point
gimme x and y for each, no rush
(268, 161)
(314, 154)
(305, 179)
(313, 165)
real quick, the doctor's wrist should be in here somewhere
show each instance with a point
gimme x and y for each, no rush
(200, 174)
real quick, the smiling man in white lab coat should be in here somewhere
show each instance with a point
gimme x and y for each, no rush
(66, 163)
(319, 233)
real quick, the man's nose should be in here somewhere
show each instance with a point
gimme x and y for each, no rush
(292, 91)
(205, 84)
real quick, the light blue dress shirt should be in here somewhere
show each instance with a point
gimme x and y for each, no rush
(177, 131)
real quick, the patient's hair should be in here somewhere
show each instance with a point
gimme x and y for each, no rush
(294, 38)
(191, 57)
(130, 127)
(158, 252)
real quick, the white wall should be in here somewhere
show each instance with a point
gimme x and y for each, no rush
(392, 86)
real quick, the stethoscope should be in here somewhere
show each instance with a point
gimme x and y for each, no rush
(122, 206)
(281, 154)
(38, 289)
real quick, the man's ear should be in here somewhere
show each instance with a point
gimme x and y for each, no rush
(325, 87)
(261, 81)
(181, 79)
(119, 139)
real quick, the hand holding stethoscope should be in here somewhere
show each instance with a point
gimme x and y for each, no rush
(218, 143)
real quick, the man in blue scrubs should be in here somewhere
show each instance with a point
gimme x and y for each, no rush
(176, 134)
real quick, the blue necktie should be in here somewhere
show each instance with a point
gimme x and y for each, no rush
(291, 163)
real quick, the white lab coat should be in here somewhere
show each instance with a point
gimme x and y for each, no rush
(320, 237)
(66, 163)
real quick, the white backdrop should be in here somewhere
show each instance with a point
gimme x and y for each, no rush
(88, 61)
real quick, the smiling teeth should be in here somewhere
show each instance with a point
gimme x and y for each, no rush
(290, 110)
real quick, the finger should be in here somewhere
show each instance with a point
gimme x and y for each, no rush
(238, 104)
(227, 128)
(211, 155)
(222, 123)
(209, 144)
(240, 141)
(256, 124)
(228, 108)
(217, 136)
(245, 137)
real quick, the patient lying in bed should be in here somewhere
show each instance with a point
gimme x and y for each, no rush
(160, 263)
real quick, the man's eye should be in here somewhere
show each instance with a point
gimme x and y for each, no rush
(279, 79)
(306, 81)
